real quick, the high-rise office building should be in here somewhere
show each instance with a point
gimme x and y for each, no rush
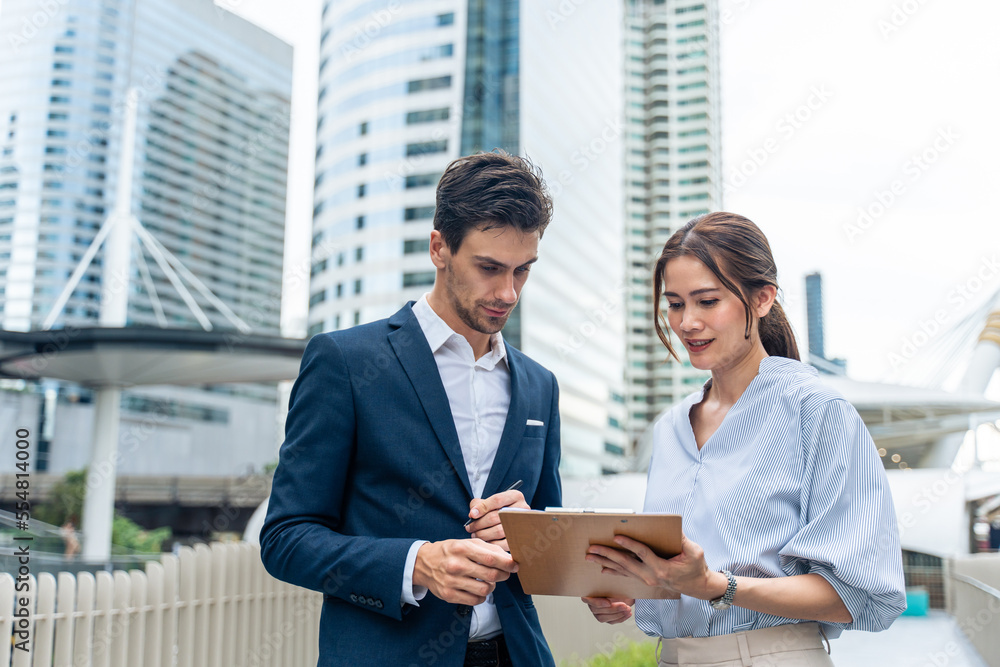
(816, 328)
(210, 166)
(673, 173)
(814, 314)
(407, 87)
(210, 161)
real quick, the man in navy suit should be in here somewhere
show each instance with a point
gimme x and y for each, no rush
(402, 430)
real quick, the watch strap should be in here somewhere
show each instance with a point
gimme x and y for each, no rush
(727, 598)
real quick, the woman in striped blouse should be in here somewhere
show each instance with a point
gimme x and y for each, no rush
(790, 532)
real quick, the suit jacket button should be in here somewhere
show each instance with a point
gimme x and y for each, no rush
(463, 610)
(378, 604)
(370, 602)
(354, 598)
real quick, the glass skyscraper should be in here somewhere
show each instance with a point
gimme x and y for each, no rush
(210, 161)
(210, 167)
(405, 88)
(673, 172)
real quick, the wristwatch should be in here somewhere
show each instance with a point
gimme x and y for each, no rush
(726, 601)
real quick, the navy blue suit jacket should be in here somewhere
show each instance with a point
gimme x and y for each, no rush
(371, 462)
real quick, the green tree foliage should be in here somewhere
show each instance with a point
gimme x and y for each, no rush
(65, 503)
(634, 654)
(129, 537)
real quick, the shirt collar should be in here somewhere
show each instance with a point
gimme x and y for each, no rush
(438, 333)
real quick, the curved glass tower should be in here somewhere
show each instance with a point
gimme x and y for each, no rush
(406, 87)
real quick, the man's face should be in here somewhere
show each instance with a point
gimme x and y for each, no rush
(481, 281)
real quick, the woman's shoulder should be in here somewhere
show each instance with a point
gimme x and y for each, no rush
(798, 384)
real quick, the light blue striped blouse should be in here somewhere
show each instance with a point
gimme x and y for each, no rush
(789, 484)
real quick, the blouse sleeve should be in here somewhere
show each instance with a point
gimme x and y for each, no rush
(848, 534)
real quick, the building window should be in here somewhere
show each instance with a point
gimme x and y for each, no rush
(418, 279)
(357, 317)
(359, 254)
(422, 180)
(418, 213)
(426, 147)
(612, 448)
(357, 285)
(361, 191)
(446, 19)
(317, 298)
(414, 246)
(363, 128)
(340, 290)
(362, 159)
(359, 222)
(421, 85)
(427, 116)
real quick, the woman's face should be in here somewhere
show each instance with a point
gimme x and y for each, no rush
(709, 319)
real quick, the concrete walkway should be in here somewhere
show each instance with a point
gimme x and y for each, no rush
(912, 641)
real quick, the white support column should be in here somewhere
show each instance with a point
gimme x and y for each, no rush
(99, 503)
(118, 249)
(985, 358)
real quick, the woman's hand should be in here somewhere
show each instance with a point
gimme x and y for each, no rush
(686, 573)
(610, 610)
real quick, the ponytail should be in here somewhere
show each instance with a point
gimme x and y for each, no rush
(776, 334)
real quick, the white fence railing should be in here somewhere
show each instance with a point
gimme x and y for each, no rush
(974, 600)
(206, 607)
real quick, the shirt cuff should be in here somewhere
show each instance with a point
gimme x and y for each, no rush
(411, 594)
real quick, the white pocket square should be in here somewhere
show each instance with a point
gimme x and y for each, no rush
(534, 422)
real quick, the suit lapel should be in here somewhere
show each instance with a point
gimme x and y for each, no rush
(415, 356)
(513, 429)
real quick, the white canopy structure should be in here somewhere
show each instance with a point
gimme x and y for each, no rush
(112, 356)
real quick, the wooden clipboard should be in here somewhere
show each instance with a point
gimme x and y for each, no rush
(550, 550)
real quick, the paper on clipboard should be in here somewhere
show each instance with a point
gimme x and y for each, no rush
(550, 549)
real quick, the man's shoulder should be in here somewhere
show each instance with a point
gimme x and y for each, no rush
(365, 335)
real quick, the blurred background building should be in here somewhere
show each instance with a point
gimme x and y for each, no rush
(211, 158)
(816, 330)
(407, 87)
(673, 172)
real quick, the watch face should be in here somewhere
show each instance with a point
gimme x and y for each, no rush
(719, 604)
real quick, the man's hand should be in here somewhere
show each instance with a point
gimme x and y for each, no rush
(487, 525)
(461, 571)
(610, 610)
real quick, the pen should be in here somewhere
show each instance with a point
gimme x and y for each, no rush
(512, 487)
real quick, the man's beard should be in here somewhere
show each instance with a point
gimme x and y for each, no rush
(474, 318)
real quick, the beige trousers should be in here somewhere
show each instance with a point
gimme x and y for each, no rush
(799, 645)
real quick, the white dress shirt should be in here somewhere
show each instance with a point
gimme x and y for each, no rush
(479, 395)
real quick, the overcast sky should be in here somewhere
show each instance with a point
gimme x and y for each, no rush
(882, 106)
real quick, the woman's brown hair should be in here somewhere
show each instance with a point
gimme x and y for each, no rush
(737, 252)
